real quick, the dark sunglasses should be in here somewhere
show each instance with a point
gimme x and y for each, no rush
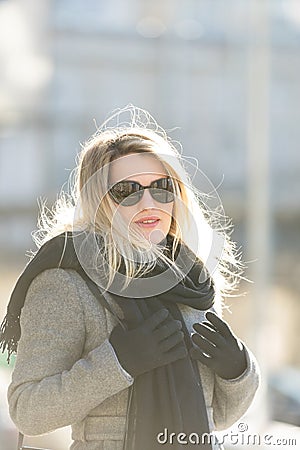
(130, 192)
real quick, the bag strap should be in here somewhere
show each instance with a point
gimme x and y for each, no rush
(101, 296)
(25, 447)
(20, 441)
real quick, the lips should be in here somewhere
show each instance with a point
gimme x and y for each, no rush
(148, 221)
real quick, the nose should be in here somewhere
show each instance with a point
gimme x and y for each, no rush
(147, 201)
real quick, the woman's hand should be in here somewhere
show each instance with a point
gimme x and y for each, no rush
(218, 348)
(157, 341)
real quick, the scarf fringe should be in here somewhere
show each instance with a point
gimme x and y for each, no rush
(10, 333)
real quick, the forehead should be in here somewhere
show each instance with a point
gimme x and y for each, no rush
(136, 166)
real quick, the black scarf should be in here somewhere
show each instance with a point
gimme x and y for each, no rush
(168, 399)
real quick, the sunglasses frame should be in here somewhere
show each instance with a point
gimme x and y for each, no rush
(141, 190)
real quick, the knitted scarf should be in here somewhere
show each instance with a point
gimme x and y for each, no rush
(166, 405)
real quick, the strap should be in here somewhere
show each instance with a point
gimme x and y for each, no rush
(20, 441)
(25, 447)
(101, 296)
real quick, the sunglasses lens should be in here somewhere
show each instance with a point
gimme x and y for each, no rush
(163, 190)
(126, 193)
(132, 199)
(162, 196)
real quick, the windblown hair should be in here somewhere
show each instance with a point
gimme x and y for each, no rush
(88, 206)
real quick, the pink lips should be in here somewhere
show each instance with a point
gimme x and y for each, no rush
(154, 221)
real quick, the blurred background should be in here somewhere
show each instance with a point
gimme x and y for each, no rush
(222, 77)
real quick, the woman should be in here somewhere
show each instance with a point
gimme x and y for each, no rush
(121, 328)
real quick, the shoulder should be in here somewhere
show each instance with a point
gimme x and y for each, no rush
(50, 281)
(54, 289)
(59, 289)
(56, 279)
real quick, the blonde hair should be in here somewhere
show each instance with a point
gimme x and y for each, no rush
(87, 207)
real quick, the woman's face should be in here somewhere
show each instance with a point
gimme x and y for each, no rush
(144, 169)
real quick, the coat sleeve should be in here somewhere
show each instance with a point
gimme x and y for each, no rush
(232, 398)
(53, 385)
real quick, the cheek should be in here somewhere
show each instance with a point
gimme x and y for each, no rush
(168, 213)
(126, 214)
(169, 209)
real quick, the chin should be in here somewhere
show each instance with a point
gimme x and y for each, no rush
(156, 236)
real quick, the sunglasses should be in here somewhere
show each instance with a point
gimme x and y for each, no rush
(129, 193)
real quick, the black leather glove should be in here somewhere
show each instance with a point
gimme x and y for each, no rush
(155, 342)
(218, 348)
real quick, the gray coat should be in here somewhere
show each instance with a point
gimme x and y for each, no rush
(67, 372)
